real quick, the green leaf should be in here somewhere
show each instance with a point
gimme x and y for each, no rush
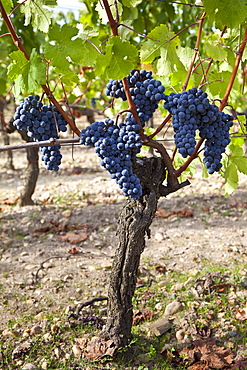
(118, 60)
(88, 53)
(231, 179)
(8, 5)
(37, 14)
(86, 32)
(131, 3)
(163, 49)
(226, 13)
(214, 49)
(190, 170)
(237, 157)
(27, 74)
(64, 47)
(185, 55)
(3, 85)
(151, 49)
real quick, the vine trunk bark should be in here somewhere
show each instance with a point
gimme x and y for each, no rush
(133, 226)
(32, 171)
(31, 174)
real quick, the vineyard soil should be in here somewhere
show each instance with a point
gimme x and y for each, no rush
(58, 252)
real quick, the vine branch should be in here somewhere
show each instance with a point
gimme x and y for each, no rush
(234, 71)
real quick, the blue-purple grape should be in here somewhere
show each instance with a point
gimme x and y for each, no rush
(42, 122)
(192, 111)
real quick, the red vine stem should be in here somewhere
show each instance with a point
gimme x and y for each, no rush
(234, 72)
(19, 45)
(132, 107)
(17, 6)
(190, 159)
(196, 49)
(113, 24)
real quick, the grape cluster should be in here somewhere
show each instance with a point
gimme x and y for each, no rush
(116, 146)
(192, 111)
(145, 91)
(41, 122)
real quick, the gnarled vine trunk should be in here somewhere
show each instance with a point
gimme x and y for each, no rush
(32, 171)
(133, 226)
(31, 174)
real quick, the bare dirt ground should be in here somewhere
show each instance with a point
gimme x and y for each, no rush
(58, 252)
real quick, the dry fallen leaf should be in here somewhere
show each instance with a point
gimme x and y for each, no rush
(98, 348)
(74, 238)
(73, 250)
(139, 316)
(161, 268)
(9, 201)
(202, 355)
(183, 212)
(241, 314)
(163, 213)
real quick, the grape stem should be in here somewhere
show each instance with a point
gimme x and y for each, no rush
(196, 50)
(132, 107)
(17, 41)
(190, 159)
(112, 23)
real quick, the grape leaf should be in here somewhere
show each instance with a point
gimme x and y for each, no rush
(27, 74)
(160, 47)
(131, 3)
(231, 179)
(64, 47)
(237, 157)
(214, 49)
(169, 62)
(226, 13)
(118, 59)
(8, 5)
(86, 32)
(37, 14)
(190, 170)
(185, 54)
(3, 84)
